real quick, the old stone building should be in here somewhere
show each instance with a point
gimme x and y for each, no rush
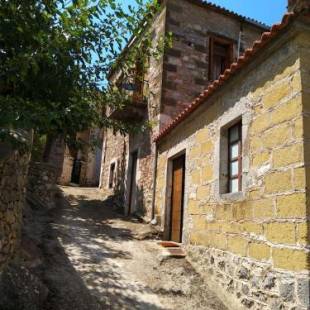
(233, 173)
(80, 166)
(206, 40)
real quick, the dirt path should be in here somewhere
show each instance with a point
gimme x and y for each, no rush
(95, 260)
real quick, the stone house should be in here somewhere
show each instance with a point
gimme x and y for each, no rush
(80, 166)
(233, 173)
(206, 40)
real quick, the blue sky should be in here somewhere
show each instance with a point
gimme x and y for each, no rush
(267, 11)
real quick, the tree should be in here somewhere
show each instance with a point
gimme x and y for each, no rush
(54, 59)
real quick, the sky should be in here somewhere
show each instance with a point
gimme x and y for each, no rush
(267, 11)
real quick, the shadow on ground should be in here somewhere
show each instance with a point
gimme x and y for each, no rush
(79, 228)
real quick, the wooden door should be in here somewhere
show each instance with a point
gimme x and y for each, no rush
(133, 183)
(177, 198)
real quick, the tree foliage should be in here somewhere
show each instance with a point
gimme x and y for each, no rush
(55, 56)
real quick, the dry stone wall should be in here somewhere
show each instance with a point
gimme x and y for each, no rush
(13, 171)
(41, 185)
(253, 244)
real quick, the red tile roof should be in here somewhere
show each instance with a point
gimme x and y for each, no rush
(248, 56)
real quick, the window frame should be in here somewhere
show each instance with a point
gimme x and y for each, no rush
(231, 159)
(223, 41)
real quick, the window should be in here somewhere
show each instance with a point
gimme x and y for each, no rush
(235, 158)
(112, 175)
(220, 58)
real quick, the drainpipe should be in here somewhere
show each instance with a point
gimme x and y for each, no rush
(154, 184)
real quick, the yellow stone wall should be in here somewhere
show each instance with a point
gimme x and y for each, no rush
(303, 229)
(269, 222)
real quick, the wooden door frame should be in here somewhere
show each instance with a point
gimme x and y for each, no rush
(168, 202)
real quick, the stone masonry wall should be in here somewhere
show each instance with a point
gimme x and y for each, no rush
(63, 160)
(13, 171)
(186, 64)
(179, 76)
(118, 148)
(305, 80)
(41, 185)
(253, 245)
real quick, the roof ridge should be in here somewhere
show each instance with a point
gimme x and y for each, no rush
(228, 73)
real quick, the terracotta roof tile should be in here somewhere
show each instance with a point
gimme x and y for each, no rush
(248, 55)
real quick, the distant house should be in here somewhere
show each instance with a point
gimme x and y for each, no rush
(233, 173)
(80, 166)
(206, 40)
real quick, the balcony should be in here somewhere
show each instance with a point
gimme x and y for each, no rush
(132, 112)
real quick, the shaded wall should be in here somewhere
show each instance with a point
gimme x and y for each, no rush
(13, 171)
(41, 185)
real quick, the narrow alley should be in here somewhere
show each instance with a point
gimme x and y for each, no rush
(97, 259)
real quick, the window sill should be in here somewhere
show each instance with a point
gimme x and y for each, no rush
(239, 196)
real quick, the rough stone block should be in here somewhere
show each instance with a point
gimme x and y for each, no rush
(261, 158)
(193, 207)
(277, 136)
(219, 241)
(275, 95)
(231, 227)
(256, 143)
(252, 228)
(261, 123)
(237, 245)
(290, 259)
(259, 251)
(288, 155)
(276, 182)
(298, 128)
(287, 111)
(199, 222)
(281, 233)
(224, 212)
(303, 292)
(287, 290)
(296, 82)
(203, 192)
(202, 135)
(207, 173)
(299, 178)
(292, 206)
(207, 147)
(242, 211)
(303, 233)
(195, 152)
(263, 208)
(196, 178)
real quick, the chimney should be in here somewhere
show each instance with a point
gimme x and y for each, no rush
(298, 5)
